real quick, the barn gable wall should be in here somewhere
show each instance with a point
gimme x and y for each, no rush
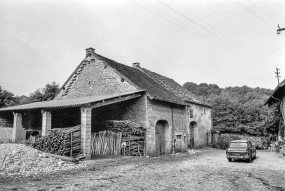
(93, 78)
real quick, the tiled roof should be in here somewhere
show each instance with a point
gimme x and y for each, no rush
(156, 86)
(279, 86)
(143, 81)
(172, 86)
(76, 102)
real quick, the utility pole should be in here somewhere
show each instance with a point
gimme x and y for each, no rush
(277, 69)
(277, 74)
(279, 29)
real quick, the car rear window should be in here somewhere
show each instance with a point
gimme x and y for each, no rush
(238, 144)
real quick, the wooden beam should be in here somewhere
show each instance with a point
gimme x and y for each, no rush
(114, 100)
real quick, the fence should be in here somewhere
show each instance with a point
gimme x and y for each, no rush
(106, 142)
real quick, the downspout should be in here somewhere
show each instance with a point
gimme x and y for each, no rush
(173, 143)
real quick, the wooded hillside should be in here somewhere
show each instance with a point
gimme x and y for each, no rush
(239, 109)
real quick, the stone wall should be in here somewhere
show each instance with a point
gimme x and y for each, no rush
(202, 116)
(133, 110)
(162, 111)
(5, 134)
(94, 77)
(253, 139)
(223, 139)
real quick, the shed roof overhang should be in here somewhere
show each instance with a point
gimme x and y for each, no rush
(277, 93)
(90, 101)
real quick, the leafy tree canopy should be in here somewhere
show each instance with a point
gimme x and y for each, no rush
(42, 94)
(6, 97)
(238, 109)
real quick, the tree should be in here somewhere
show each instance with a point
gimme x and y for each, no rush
(237, 109)
(6, 98)
(20, 100)
(190, 86)
(45, 94)
(203, 90)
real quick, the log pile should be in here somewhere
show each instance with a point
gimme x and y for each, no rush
(133, 136)
(61, 141)
(106, 142)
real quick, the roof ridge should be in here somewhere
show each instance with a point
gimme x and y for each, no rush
(159, 83)
(194, 99)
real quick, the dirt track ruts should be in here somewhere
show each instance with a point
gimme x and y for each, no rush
(204, 170)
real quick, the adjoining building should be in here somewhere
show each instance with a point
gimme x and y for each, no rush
(101, 89)
(278, 95)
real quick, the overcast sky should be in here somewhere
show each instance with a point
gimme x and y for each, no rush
(223, 42)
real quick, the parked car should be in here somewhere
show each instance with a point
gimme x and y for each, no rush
(241, 149)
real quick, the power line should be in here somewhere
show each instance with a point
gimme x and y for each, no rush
(228, 50)
(184, 16)
(178, 25)
(207, 30)
(263, 12)
(179, 21)
(233, 43)
(253, 13)
(159, 15)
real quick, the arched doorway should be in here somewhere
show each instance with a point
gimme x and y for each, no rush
(194, 143)
(162, 138)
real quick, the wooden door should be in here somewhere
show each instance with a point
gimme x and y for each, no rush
(192, 136)
(159, 139)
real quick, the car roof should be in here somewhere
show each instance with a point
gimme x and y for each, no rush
(239, 141)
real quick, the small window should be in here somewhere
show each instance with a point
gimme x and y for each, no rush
(191, 113)
(238, 144)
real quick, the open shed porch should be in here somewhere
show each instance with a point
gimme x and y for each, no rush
(44, 116)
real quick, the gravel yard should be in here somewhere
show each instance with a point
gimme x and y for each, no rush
(207, 169)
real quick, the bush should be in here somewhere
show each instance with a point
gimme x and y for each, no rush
(224, 141)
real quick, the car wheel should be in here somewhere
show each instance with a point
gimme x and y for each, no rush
(249, 159)
(230, 160)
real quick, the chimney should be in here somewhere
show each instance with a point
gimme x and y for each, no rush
(136, 65)
(89, 51)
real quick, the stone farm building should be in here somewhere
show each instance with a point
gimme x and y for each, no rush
(278, 96)
(101, 89)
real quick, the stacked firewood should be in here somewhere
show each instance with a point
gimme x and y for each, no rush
(106, 142)
(133, 136)
(61, 141)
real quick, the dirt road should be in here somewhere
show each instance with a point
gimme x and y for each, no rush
(205, 170)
